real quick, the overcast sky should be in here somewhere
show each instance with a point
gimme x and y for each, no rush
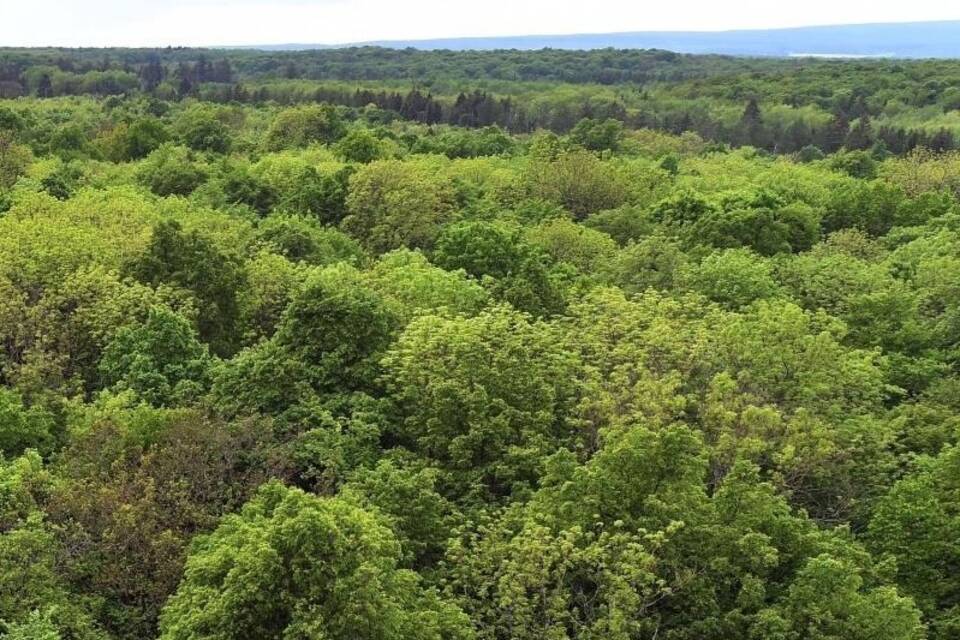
(228, 22)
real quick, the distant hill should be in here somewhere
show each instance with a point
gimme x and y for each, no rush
(894, 40)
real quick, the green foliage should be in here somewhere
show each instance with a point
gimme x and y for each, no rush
(918, 524)
(588, 250)
(34, 600)
(136, 484)
(301, 239)
(22, 427)
(655, 262)
(597, 135)
(790, 357)
(810, 153)
(200, 128)
(482, 397)
(290, 184)
(616, 547)
(412, 286)
(577, 181)
(190, 261)
(513, 269)
(271, 283)
(329, 339)
(336, 328)
(624, 224)
(301, 126)
(766, 231)
(420, 517)
(869, 206)
(63, 181)
(360, 145)
(160, 360)
(734, 278)
(858, 164)
(171, 171)
(135, 140)
(289, 350)
(394, 204)
(14, 160)
(465, 143)
(37, 626)
(296, 566)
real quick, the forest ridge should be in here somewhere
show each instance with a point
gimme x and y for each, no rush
(937, 39)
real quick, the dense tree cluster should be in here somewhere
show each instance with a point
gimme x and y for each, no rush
(784, 106)
(305, 370)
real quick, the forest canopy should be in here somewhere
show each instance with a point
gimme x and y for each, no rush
(373, 344)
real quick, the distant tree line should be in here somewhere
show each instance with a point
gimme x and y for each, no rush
(661, 90)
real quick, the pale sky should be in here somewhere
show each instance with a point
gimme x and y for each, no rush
(234, 22)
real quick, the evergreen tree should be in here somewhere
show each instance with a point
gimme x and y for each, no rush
(861, 135)
(44, 87)
(751, 128)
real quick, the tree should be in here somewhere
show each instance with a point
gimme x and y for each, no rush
(161, 360)
(360, 145)
(200, 128)
(296, 566)
(35, 601)
(734, 278)
(186, 80)
(513, 269)
(33, 597)
(301, 126)
(152, 74)
(629, 544)
(44, 87)
(191, 261)
(868, 206)
(171, 170)
(303, 239)
(411, 286)
(751, 128)
(133, 141)
(291, 185)
(795, 359)
(420, 517)
(757, 229)
(240, 187)
(757, 221)
(14, 160)
(848, 612)
(578, 181)
(810, 153)
(327, 345)
(598, 135)
(858, 164)
(654, 262)
(483, 397)
(835, 133)
(918, 524)
(564, 241)
(861, 136)
(37, 626)
(23, 427)
(394, 204)
(624, 224)
(337, 328)
(132, 492)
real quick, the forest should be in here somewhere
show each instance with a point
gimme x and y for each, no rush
(367, 344)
